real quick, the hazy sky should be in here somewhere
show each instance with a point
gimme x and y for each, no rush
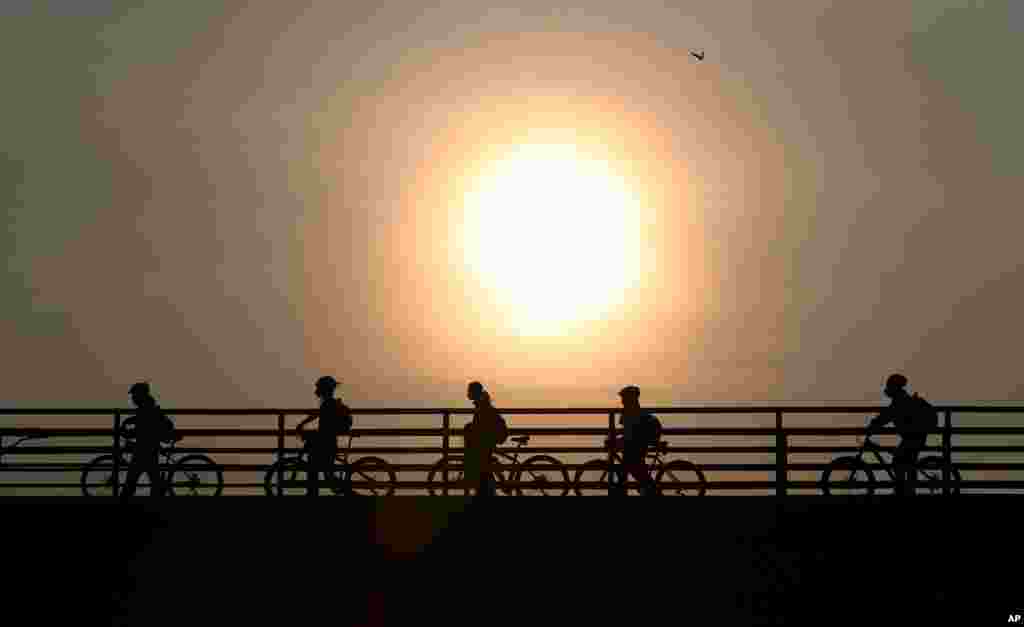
(230, 200)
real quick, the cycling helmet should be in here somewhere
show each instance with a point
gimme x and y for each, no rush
(326, 383)
(896, 381)
(630, 391)
(139, 388)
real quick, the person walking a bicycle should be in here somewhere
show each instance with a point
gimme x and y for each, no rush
(483, 434)
(912, 417)
(334, 419)
(640, 429)
(146, 431)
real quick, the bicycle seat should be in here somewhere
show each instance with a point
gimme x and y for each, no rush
(521, 439)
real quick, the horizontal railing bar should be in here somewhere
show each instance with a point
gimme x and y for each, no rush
(523, 452)
(412, 450)
(427, 467)
(878, 468)
(398, 468)
(595, 485)
(371, 411)
(59, 450)
(988, 466)
(539, 431)
(710, 484)
(988, 449)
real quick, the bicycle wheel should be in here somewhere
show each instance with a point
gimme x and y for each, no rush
(195, 475)
(285, 477)
(676, 478)
(377, 474)
(456, 478)
(98, 477)
(594, 471)
(929, 476)
(849, 476)
(544, 474)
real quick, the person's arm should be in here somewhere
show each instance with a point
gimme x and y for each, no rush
(881, 420)
(310, 418)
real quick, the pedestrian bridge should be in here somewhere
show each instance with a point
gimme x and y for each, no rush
(705, 451)
(763, 545)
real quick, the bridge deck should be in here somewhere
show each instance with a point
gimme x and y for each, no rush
(709, 561)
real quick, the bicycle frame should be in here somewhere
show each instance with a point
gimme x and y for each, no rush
(167, 453)
(875, 449)
(513, 467)
(302, 456)
(653, 459)
(342, 467)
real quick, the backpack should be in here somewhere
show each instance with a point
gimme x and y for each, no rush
(344, 417)
(926, 417)
(169, 433)
(502, 434)
(654, 430)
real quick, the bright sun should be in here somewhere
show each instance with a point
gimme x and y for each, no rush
(553, 234)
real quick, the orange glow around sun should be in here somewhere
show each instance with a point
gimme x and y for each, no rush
(543, 227)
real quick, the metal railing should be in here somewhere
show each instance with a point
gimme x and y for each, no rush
(780, 448)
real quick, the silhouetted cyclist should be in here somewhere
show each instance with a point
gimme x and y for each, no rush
(146, 430)
(482, 435)
(640, 429)
(911, 416)
(322, 446)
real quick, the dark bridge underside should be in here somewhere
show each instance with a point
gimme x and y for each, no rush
(417, 560)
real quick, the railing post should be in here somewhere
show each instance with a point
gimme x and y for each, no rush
(117, 454)
(611, 454)
(781, 455)
(947, 452)
(280, 453)
(446, 426)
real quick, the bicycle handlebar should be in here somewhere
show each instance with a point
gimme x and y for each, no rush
(25, 438)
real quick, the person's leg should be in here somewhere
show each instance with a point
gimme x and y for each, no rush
(633, 461)
(913, 451)
(325, 468)
(134, 470)
(339, 473)
(312, 474)
(900, 469)
(646, 473)
(470, 475)
(486, 485)
(156, 484)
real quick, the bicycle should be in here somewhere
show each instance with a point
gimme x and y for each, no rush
(287, 475)
(505, 470)
(192, 475)
(860, 475)
(678, 477)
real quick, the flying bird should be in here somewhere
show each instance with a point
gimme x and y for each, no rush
(699, 55)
